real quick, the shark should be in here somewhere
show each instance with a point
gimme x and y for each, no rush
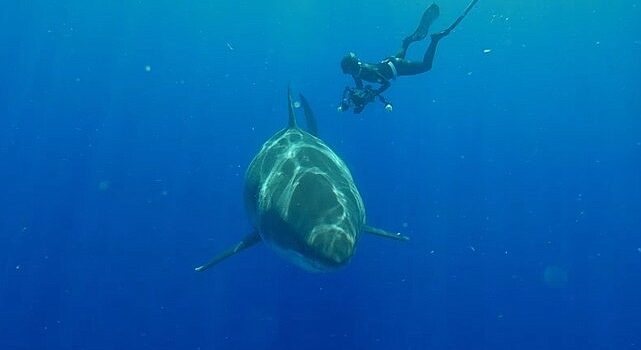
(302, 200)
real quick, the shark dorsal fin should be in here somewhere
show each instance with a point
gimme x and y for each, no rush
(312, 127)
(290, 108)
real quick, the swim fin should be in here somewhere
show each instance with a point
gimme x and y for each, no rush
(460, 18)
(429, 16)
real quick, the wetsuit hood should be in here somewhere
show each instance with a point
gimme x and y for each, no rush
(350, 63)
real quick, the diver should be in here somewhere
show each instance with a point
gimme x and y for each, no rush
(390, 68)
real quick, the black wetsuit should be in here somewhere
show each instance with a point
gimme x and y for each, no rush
(391, 67)
(394, 66)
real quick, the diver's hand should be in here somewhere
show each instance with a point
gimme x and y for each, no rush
(343, 106)
(389, 108)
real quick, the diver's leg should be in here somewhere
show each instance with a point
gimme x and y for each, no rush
(428, 58)
(429, 16)
(405, 67)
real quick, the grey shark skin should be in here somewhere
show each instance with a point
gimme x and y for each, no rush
(302, 200)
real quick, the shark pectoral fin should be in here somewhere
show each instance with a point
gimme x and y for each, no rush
(247, 242)
(383, 233)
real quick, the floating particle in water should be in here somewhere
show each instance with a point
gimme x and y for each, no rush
(432, 252)
(487, 50)
(404, 225)
(147, 68)
(296, 104)
(104, 185)
(231, 48)
(639, 250)
(18, 267)
(472, 248)
(555, 276)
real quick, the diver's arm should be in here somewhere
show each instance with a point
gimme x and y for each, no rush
(388, 105)
(385, 84)
(358, 82)
(344, 105)
(346, 92)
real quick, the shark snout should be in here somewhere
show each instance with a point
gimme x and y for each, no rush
(332, 245)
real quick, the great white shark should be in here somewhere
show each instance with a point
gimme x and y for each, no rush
(302, 200)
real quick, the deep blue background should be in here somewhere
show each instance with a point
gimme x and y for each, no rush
(126, 127)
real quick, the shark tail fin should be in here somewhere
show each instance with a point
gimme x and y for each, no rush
(290, 108)
(382, 233)
(310, 119)
(247, 242)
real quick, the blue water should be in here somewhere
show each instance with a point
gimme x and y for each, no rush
(126, 128)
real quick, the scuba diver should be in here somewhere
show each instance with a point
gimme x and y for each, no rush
(390, 68)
